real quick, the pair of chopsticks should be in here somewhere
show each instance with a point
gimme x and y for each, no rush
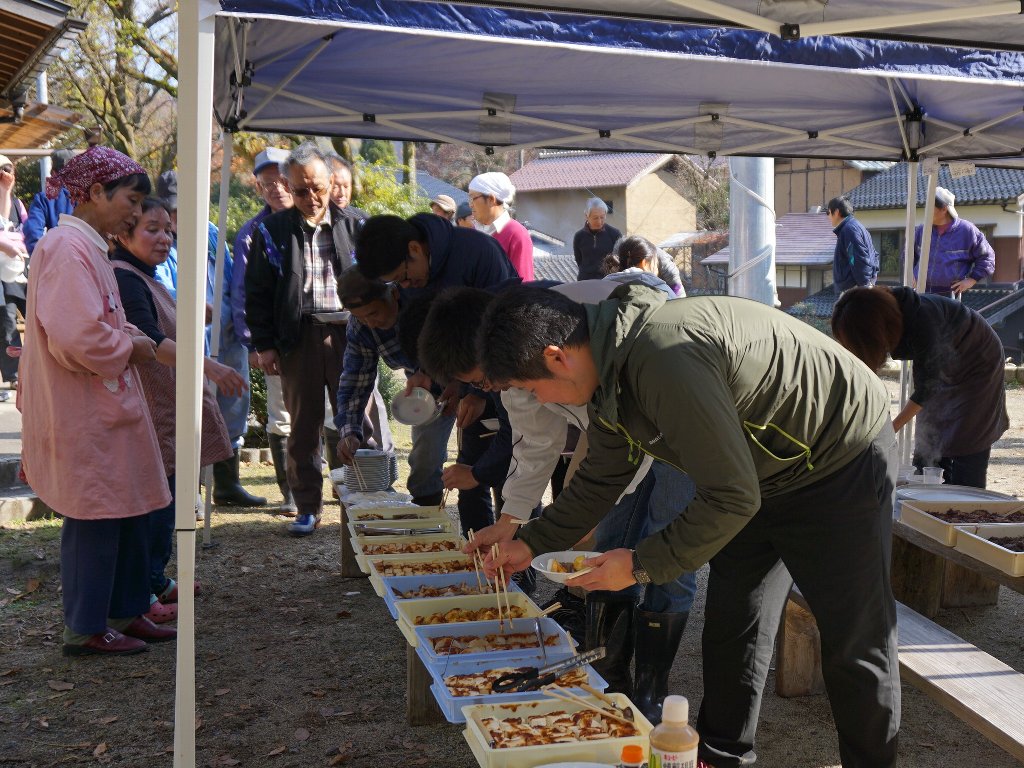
(562, 694)
(501, 585)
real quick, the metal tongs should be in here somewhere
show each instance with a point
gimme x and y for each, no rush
(532, 678)
(368, 530)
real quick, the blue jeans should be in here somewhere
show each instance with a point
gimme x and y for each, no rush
(235, 410)
(161, 542)
(428, 455)
(657, 501)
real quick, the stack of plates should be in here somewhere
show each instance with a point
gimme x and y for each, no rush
(370, 471)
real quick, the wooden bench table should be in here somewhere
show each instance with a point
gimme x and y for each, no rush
(979, 689)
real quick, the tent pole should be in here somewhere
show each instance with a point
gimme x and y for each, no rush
(195, 107)
(227, 144)
(899, 20)
(752, 229)
(906, 435)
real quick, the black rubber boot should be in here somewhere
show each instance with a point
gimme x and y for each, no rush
(227, 490)
(279, 454)
(430, 500)
(657, 637)
(331, 440)
(572, 616)
(609, 624)
(526, 580)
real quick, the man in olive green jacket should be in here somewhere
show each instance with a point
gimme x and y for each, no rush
(788, 439)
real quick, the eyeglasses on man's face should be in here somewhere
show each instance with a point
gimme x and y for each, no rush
(474, 198)
(302, 192)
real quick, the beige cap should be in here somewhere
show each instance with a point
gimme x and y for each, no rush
(446, 203)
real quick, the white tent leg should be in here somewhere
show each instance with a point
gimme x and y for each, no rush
(195, 108)
(906, 435)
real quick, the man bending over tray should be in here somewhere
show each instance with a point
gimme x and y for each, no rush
(788, 439)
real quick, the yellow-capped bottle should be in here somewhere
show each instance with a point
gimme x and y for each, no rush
(674, 742)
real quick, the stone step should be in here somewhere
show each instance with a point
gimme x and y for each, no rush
(9, 468)
(19, 503)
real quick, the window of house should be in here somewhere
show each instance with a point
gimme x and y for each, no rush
(790, 277)
(889, 246)
(611, 206)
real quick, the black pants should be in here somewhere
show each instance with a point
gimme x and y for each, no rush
(476, 505)
(834, 540)
(14, 300)
(971, 469)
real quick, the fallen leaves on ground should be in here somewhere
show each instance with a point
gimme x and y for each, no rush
(277, 751)
(100, 749)
(301, 734)
(60, 685)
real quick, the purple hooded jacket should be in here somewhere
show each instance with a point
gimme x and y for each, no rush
(962, 251)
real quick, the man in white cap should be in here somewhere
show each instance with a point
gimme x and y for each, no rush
(444, 206)
(960, 256)
(490, 195)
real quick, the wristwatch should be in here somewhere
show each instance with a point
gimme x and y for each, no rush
(639, 572)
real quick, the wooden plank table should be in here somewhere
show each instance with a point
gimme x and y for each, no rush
(349, 566)
(927, 575)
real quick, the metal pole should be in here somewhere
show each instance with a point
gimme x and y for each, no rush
(752, 229)
(43, 97)
(906, 435)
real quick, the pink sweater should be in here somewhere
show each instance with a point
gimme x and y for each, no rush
(516, 242)
(88, 445)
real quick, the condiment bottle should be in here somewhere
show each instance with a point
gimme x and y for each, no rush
(674, 742)
(632, 757)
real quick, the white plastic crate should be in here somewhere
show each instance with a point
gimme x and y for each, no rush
(976, 544)
(410, 610)
(409, 583)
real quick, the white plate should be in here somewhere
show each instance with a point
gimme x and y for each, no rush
(540, 563)
(415, 409)
(921, 492)
(332, 318)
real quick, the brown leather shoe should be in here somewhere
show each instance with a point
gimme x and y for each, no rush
(144, 629)
(110, 642)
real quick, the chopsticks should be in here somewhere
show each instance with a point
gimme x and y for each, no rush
(549, 610)
(500, 579)
(478, 564)
(562, 694)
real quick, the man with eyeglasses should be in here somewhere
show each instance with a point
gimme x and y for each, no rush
(294, 260)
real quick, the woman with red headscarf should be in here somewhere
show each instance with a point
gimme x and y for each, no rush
(88, 445)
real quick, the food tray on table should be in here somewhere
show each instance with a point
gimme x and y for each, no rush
(452, 706)
(369, 514)
(383, 566)
(411, 610)
(460, 582)
(603, 751)
(977, 544)
(383, 546)
(446, 525)
(556, 639)
(921, 515)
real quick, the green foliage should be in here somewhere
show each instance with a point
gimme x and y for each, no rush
(243, 203)
(388, 384)
(26, 180)
(381, 191)
(376, 151)
(256, 437)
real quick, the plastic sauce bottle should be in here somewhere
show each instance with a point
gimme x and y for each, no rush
(674, 742)
(632, 757)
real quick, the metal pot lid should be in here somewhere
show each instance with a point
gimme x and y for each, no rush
(940, 493)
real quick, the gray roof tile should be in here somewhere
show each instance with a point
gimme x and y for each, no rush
(889, 188)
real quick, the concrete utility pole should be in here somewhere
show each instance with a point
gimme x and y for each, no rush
(43, 97)
(752, 229)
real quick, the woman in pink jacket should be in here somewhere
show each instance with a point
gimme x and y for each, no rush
(88, 446)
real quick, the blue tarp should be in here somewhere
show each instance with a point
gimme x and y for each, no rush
(423, 70)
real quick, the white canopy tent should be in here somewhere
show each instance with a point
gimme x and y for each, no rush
(633, 79)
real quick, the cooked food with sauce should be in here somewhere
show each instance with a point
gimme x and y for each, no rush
(460, 614)
(452, 645)
(482, 683)
(448, 590)
(576, 565)
(406, 568)
(400, 548)
(553, 728)
(978, 516)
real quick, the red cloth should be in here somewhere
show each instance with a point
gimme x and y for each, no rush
(516, 242)
(97, 165)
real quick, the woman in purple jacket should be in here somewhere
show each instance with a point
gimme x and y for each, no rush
(959, 397)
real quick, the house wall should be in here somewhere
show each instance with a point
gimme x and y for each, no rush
(802, 183)
(656, 207)
(1006, 241)
(560, 212)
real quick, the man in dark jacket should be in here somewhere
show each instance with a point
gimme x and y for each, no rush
(43, 213)
(789, 442)
(595, 241)
(855, 261)
(295, 258)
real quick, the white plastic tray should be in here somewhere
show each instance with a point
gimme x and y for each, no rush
(408, 583)
(605, 752)
(549, 628)
(916, 515)
(447, 525)
(359, 543)
(433, 557)
(363, 514)
(409, 610)
(977, 545)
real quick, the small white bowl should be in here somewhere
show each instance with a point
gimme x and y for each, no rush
(541, 562)
(415, 409)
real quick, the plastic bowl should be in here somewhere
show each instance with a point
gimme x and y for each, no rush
(415, 409)
(541, 562)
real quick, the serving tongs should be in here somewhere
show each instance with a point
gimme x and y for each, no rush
(534, 678)
(367, 530)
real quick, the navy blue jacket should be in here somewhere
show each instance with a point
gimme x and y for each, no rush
(43, 215)
(460, 256)
(855, 261)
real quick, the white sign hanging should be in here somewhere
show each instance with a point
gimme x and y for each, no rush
(959, 170)
(930, 166)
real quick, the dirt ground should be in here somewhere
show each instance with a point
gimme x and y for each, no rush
(297, 666)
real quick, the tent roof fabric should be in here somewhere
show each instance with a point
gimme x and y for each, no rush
(889, 188)
(801, 239)
(515, 79)
(586, 169)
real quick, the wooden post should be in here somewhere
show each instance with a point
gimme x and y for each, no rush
(962, 587)
(798, 657)
(420, 706)
(917, 577)
(349, 566)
